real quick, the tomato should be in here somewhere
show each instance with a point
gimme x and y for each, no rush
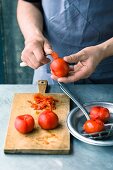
(99, 112)
(24, 123)
(92, 126)
(48, 120)
(59, 67)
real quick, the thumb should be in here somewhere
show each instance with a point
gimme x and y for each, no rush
(73, 58)
(47, 47)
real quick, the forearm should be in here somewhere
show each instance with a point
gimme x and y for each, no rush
(107, 48)
(30, 19)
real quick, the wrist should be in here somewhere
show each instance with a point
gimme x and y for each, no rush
(103, 49)
(106, 49)
(36, 35)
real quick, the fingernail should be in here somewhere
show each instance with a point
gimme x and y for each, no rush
(49, 51)
(60, 80)
(65, 58)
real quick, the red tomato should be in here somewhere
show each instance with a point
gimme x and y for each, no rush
(99, 112)
(48, 120)
(59, 67)
(24, 123)
(92, 126)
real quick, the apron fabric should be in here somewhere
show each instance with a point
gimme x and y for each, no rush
(71, 25)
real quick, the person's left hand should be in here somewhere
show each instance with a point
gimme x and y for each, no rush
(85, 63)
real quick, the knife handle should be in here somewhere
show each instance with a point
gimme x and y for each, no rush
(23, 64)
(42, 85)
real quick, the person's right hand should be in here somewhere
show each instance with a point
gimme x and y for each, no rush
(35, 52)
(85, 63)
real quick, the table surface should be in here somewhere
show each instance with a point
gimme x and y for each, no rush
(83, 156)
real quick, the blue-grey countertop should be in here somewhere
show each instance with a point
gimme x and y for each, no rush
(83, 156)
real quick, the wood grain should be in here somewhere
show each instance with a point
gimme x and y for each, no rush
(39, 141)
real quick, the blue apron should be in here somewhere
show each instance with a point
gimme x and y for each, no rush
(71, 25)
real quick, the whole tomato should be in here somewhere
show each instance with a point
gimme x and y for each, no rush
(99, 112)
(24, 123)
(92, 126)
(48, 120)
(58, 66)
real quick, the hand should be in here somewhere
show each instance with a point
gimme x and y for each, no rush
(36, 51)
(85, 62)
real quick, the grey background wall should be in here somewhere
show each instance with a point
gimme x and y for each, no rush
(11, 45)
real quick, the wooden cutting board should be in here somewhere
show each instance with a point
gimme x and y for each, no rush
(56, 141)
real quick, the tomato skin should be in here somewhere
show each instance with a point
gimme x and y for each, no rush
(92, 126)
(59, 67)
(48, 120)
(54, 55)
(99, 112)
(24, 123)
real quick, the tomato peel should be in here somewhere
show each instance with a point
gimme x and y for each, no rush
(54, 55)
(43, 102)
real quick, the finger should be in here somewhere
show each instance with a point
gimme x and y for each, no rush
(46, 60)
(78, 66)
(47, 48)
(54, 77)
(25, 55)
(30, 59)
(34, 62)
(71, 68)
(74, 77)
(74, 58)
(40, 56)
(28, 63)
